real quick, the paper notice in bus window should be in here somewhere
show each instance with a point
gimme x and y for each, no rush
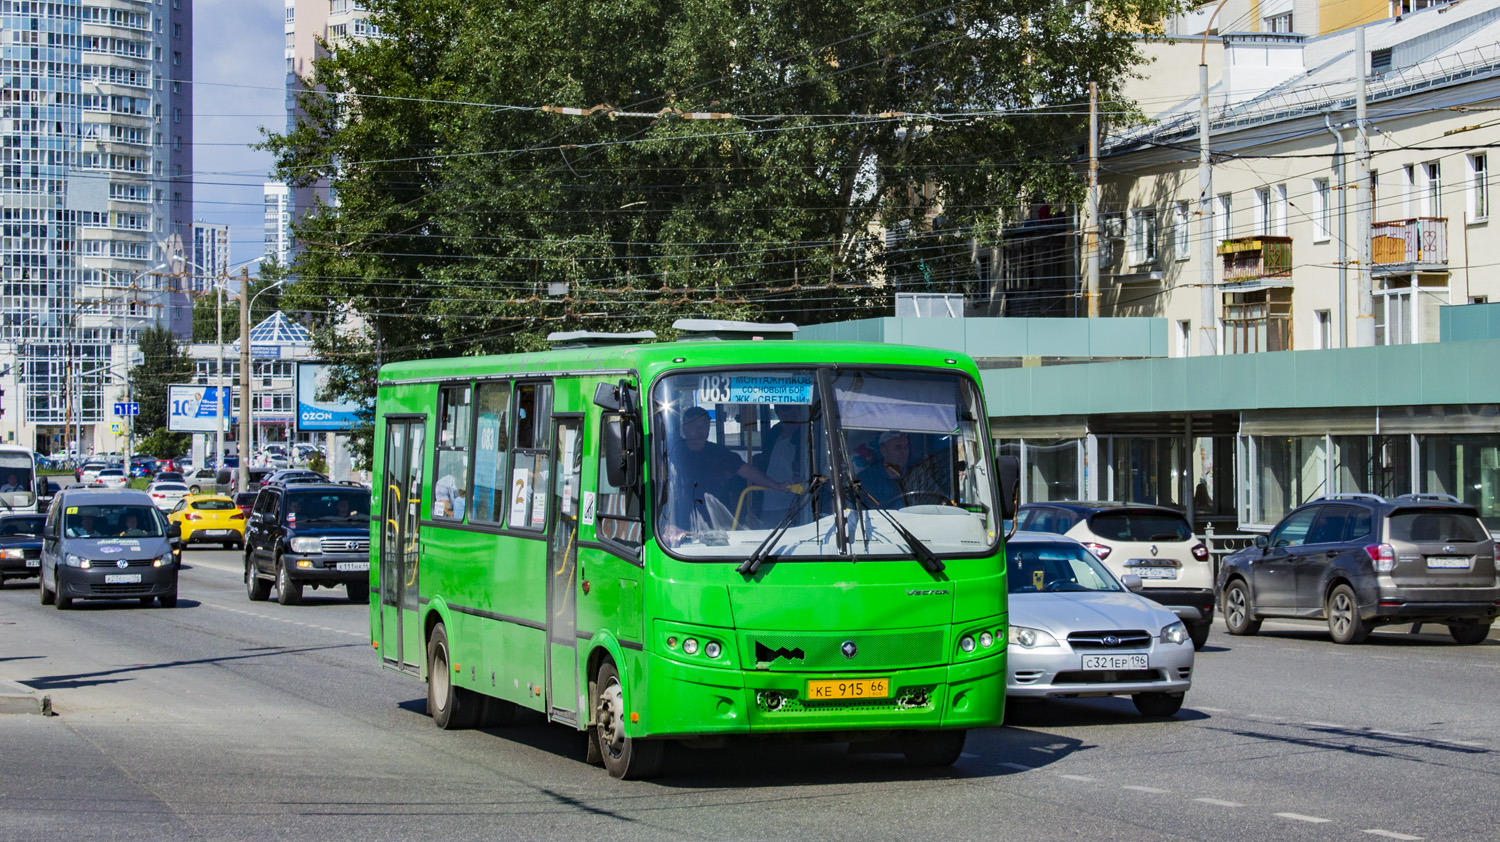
(520, 495)
(539, 509)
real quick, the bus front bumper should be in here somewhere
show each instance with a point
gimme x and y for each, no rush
(686, 701)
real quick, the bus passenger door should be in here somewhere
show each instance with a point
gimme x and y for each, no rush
(562, 567)
(401, 644)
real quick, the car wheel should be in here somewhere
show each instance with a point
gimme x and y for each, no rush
(193, 489)
(358, 592)
(933, 748)
(626, 758)
(1157, 705)
(258, 589)
(47, 595)
(1344, 622)
(1239, 612)
(288, 592)
(1469, 633)
(168, 600)
(452, 708)
(1199, 633)
(63, 603)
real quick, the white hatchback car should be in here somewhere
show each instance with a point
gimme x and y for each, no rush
(1077, 631)
(112, 478)
(166, 494)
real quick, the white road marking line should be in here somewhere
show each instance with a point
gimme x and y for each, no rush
(1148, 789)
(283, 620)
(1323, 724)
(1085, 778)
(1298, 817)
(1465, 743)
(1391, 834)
(1218, 803)
(1018, 767)
(1389, 733)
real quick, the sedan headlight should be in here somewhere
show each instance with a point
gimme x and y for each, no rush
(1174, 633)
(13, 552)
(307, 546)
(1030, 638)
(163, 561)
(75, 561)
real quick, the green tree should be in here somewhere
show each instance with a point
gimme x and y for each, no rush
(164, 444)
(163, 362)
(470, 222)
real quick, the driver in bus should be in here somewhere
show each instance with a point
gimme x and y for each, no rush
(702, 471)
(12, 483)
(890, 482)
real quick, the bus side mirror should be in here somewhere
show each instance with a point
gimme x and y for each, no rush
(606, 396)
(622, 454)
(1008, 469)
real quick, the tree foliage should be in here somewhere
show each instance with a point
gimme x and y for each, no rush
(164, 444)
(469, 222)
(163, 362)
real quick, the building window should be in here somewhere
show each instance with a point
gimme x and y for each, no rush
(1184, 338)
(1182, 234)
(1143, 237)
(1258, 321)
(176, 58)
(1322, 211)
(1223, 229)
(1281, 210)
(1322, 330)
(1278, 23)
(1479, 188)
(1409, 190)
(1405, 314)
(1262, 210)
(1375, 195)
(1431, 189)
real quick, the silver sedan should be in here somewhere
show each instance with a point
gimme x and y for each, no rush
(1076, 630)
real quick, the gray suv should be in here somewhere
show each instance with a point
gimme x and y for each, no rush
(1361, 561)
(108, 544)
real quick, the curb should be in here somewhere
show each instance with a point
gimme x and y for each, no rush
(18, 698)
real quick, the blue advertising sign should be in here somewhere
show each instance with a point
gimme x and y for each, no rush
(321, 416)
(191, 409)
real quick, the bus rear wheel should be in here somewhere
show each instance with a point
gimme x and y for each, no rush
(624, 757)
(933, 748)
(451, 707)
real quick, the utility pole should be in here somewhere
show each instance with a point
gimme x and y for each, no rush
(219, 374)
(1343, 252)
(1207, 335)
(1364, 322)
(247, 421)
(1091, 237)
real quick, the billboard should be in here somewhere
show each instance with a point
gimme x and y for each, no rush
(319, 416)
(190, 409)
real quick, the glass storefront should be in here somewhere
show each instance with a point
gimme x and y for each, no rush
(1146, 469)
(1289, 471)
(1372, 465)
(1468, 467)
(1051, 469)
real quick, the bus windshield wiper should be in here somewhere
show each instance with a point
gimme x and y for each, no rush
(925, 556)
(750, 565)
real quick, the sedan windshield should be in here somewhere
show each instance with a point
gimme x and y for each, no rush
(117, 521)
(1044, 568)
(755, 457)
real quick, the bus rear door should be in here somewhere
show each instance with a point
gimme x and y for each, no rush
(401, 644)
(563, 702)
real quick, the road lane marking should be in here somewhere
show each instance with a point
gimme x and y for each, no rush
(1147, 789)
(1218, 803)
(360, 635)
(1085, 778)
(1298, 817)
(1322, 725)
(1390, 834)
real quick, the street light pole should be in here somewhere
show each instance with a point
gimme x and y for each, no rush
(247, 425)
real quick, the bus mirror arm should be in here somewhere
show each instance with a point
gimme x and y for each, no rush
(1008, 469)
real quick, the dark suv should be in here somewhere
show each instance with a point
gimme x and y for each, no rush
(1361, 561)
(316, 535)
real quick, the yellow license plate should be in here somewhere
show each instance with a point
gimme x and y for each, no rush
(855, 688)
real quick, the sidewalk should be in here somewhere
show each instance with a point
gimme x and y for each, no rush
(18, 698)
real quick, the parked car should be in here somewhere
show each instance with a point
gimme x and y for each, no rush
(1076, 630)
(308, 535)
(142, 467)
(1152, 542)
(170, 476)
(290, 476)
(166, 495)
(20, 547)
(112, 478)
(1360, 561)
(202, 480)
(209, 518)
(107, 544)
(89, 471)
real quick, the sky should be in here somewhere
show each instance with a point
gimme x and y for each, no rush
(239, 85)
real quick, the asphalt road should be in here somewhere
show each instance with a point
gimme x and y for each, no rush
(226, 719)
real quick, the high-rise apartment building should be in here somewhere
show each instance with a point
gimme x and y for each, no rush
(95, 196)
(210, 257)
(278, 222)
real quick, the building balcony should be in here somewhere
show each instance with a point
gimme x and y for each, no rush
(1254, 258)
(1410, 242)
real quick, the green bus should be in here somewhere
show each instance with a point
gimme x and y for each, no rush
(694, 541)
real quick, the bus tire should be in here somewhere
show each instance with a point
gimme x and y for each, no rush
(452, 707)
(624, 757)
(933, 748)
(496, 713)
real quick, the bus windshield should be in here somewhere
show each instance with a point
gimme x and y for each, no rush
(754, 457)
(17, 480)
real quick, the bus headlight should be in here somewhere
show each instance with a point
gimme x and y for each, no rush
(690, 646)
(713, 650)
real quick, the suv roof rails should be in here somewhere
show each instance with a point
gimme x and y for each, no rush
(1426, 498)
(1354, 495)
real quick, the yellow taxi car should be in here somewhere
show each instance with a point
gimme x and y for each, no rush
(209, 518)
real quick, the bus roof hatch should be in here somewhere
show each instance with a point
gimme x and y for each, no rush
(595, 339)
(699, 330)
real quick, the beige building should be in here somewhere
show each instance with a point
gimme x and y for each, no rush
(1310, 17)
(1283, 214)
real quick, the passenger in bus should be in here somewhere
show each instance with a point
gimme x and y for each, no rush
(785, 458)
(447, 498)
(706, 476)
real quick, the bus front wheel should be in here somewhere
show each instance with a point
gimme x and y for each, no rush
(933, 748)
(451, 707)
(624, 757)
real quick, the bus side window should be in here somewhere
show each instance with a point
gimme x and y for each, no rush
(450, 492)
(532, 469)
(491, 452)
(619, 514)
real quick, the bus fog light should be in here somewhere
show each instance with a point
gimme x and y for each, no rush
(712, 650)
(690, 646)
(672, 642)
(986, 639)
(966, 643)
(770, 699)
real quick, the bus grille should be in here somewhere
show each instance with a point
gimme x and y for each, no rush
(824, 651)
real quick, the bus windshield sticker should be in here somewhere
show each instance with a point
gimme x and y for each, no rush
(759, 388)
